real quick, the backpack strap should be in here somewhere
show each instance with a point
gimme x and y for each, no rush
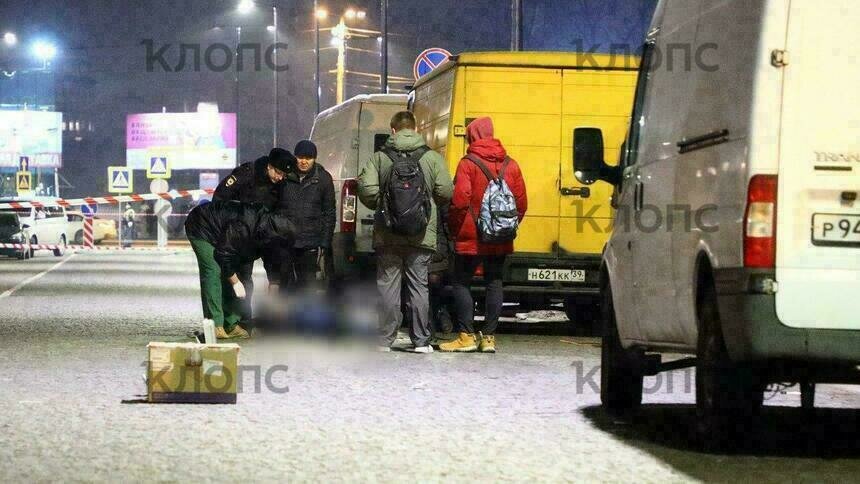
(414, 155)
(474, 159)
(502, 169)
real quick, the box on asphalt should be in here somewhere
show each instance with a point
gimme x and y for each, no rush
(192, 373)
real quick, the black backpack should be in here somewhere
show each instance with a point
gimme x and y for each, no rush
(405, 206)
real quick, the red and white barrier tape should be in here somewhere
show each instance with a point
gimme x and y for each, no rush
(108, 200)
(95, 248)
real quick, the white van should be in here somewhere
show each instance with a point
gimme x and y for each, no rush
(346, 135)
(41, 226)
(758, 141)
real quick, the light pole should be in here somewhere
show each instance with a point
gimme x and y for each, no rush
(340, 33)
(319, 14)
(383, 49)
(245, 7)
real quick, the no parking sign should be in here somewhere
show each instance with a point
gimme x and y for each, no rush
(429, 60)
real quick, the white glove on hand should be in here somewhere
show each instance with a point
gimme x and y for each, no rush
(239, 290)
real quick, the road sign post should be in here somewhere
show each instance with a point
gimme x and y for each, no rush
(120, 179)
(159, 167)
(429, 60)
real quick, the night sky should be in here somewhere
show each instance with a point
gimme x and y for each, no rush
(100, 75)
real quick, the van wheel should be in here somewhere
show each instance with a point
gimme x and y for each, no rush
(584, 314)
(728, 395)
(620, 375)
(61, 250)
(79, 237)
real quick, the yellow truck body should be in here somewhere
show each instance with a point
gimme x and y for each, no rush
(536, 100)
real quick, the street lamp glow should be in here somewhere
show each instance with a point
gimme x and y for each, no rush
(349, 14)
(44, 51)
(336, 41)
(361, 14)
(270, 28)
(245, 7)
(10, 39)
(321, 14)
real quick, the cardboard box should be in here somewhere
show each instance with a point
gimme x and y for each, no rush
(192, 373)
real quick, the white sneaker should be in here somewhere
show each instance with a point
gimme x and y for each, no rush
(422, 349)
(383, 349)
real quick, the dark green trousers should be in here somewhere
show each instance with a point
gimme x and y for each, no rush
(220, 304)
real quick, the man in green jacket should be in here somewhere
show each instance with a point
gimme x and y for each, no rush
(399, 255)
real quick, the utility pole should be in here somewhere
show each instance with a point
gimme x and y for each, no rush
(275, 75)
(383, 75)
(317, 51)
(516, 25)
(340, 32)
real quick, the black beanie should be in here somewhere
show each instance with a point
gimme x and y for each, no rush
(306, 149)
(282, 159)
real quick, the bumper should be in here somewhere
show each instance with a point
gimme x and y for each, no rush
(753, 331)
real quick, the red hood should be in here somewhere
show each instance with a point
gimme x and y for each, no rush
(482, 143)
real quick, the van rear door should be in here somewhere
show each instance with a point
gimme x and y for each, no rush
(818, 214)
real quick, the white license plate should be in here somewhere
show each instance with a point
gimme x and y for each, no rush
(557, 275)
(834, 229)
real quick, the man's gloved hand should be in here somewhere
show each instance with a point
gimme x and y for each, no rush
(321, 273)
(239, 290)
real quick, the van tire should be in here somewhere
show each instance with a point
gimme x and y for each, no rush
(729, 395)
(620, 376)
(79, 237)
(61, 251)
(31, 252)
(584, 314)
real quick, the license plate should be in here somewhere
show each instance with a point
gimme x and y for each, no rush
(557, 275)
(834, 229)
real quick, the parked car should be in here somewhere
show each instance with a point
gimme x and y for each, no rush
(762, 147)
(11, 232)
(45, 226)
(103, 229)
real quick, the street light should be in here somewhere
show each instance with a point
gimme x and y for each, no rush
(45, 52)
(10, 39)
(245, 7)
(340, 33)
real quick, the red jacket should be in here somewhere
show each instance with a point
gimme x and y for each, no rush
(470, 184)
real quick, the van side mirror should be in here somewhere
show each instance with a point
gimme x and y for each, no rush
(588, 163)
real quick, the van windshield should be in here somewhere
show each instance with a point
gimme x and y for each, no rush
(8, 219)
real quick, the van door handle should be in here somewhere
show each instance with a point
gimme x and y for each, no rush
(583, 192)
(638, 196)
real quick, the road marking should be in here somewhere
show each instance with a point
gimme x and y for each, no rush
(34, 278)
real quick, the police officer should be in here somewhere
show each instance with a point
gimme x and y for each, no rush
(257, 182)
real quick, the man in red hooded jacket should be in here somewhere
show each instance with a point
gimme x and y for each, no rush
(469, 186)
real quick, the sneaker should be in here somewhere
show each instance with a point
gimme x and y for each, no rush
(383, 349)
(465, 343)
(238, 332)
(422, 349)
(220, 333)
(488, 344)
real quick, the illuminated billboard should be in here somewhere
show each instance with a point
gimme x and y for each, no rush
(201, 141)
(37, 135)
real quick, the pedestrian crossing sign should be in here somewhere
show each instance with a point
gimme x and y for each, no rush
(120, 179)
(24, 182)
(158, 167)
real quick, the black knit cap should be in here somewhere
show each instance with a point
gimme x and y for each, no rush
(306, 149)
(282, 159)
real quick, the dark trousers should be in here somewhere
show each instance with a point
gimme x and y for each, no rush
(464, 272)
(299, 268)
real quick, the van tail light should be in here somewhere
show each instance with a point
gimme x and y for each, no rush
(348, 206)
(760, 223)
(479, 271)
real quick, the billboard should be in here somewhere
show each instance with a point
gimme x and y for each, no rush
(200, 141)
(37, 135)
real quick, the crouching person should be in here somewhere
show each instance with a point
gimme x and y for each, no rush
(225, 235)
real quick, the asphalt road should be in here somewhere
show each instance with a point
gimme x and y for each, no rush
(74, 332)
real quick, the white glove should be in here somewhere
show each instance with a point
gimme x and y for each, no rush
(239, 290)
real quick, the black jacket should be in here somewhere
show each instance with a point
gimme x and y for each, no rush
(241, 233)
(310, 204)
(249, 183)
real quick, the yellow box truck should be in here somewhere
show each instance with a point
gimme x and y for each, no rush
(536, 100)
